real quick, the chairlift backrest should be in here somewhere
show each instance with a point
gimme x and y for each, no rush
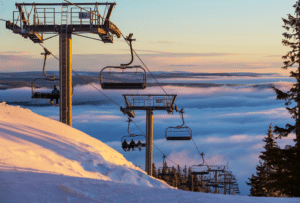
(123, 77)
(181, 132)
(178, 133)
(43, 94)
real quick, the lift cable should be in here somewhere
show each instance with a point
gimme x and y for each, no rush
(135, 54)
(145, 66)
(126, 42)
(156, 82)
(196, 147)
(153, 143)
(110, 99)
(87, 81)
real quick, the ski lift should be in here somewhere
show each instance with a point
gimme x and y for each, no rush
(165, 171)
(132, 144)
(181, 132)
(44, 95)
(200, 169)
(124, 76)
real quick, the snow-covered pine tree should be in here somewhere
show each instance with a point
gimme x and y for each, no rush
(292, 59)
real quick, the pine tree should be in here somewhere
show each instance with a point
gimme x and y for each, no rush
(165, 172)
(174, 181)
(292, 58)
(264, 182)
(190, 179)
(154, 172)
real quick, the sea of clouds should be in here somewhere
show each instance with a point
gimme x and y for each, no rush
(228, 123)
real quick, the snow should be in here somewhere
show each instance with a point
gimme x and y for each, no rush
(42, 160)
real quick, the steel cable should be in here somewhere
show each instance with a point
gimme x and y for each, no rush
(111, 100)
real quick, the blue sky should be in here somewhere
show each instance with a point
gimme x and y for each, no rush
(248, 34)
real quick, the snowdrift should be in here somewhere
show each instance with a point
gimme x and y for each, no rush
(42, 160)
(33, 143)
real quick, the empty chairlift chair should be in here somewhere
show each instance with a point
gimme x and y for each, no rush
(200, 170)
(124, 76)
(181, 132)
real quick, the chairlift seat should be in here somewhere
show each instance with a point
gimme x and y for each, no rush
(44, 95)
(125, 79)
(178, 133)
(110, 86)
(178, 138)
(199, 172)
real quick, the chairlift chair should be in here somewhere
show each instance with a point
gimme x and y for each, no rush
(118, 77)
(167, 173)
(200, 169)
(44, 95)
(139, 144)
(181, 132)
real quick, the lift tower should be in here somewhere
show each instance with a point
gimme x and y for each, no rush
(63, 19)
(148, 103)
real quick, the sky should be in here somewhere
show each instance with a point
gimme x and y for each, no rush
(199, 36)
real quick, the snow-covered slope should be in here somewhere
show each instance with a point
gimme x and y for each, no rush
(33, 143)
(42, 160)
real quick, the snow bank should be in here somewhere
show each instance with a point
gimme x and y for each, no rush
(33, 143)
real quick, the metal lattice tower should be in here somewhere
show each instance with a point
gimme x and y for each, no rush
(148, 103)
(46, 18)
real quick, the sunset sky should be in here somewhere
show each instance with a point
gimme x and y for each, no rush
(193, 35)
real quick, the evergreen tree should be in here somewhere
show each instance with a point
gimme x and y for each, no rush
(154, 173)
(179, 175)
(263, 183)
(292, 59)
(165, 173)
(185, 172)
(174, 181)
(190, 179)
(159, 172)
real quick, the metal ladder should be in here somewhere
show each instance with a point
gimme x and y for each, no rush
(64, 14)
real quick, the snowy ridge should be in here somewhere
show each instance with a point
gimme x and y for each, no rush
(42, 160)
(30, 142)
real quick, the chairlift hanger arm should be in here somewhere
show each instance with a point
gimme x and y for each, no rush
(129, 38)
(129, 120)
(47, 52)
